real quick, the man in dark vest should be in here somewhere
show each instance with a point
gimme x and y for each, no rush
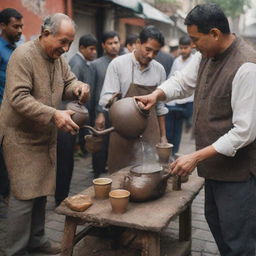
(223, 76)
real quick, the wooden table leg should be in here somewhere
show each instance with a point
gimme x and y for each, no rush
(150, 243)
(185, 224)
(68, 236)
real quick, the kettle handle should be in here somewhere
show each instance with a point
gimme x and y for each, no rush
(126, 177)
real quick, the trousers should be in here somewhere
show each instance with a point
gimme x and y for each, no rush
(230, 210)
(25, 225)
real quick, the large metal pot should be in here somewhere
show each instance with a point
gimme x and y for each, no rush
(146, 182)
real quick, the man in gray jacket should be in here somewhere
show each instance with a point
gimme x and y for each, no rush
(37, 79)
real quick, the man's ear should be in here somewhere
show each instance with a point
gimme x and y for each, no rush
(215, 33)
(45, 32)
(2, 25)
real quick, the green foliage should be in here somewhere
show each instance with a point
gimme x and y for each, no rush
(232, 8)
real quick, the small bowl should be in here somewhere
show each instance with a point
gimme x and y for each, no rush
(119, 199)
(102, 187)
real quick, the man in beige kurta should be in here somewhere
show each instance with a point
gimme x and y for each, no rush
(38, 78)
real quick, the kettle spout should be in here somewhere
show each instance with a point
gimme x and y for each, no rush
(99, 133)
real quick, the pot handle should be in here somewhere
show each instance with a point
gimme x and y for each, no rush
(115, 97)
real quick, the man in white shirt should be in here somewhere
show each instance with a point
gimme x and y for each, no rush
(223, 77)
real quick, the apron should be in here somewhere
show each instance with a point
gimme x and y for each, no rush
(124, 152)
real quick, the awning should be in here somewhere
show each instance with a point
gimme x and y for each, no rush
(152, 13)
(134, 5)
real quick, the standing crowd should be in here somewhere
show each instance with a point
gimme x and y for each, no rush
(212, 78)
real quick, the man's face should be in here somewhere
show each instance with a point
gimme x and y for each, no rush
(147, 51)
(13, 30)
(205, 43)
(185, 51)
(59, 43)
(112, 46)
(89, 52)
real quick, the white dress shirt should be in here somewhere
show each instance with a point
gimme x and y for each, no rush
(182, 84)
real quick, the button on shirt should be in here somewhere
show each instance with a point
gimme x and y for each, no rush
(182, 84)
(6, 50)
(119, 77)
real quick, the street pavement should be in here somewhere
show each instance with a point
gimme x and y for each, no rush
(202, 241)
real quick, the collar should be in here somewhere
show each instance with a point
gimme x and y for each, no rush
(7, 44)
(82, 56)
(137, 64)
(222, 55)
(42, 51)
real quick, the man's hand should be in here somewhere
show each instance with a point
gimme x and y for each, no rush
(100, 122)
(62, 119)
(146, 102)
(186, 164)
(82, 92)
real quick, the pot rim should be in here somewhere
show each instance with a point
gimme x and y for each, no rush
(159, 169)
(97, 181)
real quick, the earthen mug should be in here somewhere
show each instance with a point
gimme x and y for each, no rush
(102, 187)
(119, 199)
(164, 151)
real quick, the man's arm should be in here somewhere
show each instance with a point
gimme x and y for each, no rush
(181, 85)
(18, 89)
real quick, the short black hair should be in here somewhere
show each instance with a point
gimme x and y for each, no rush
(87, 40)
(7, 14)
(109, 34)
(185, 40)
(151, 32)
(131, 39)
(206, 17)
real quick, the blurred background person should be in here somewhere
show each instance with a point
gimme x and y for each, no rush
(174, 48)
(179, 110)
(111, 47)
(165, 59)
(80, 66)
(11, 26)
(130, 43)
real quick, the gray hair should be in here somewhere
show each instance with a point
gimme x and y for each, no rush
(52, 22)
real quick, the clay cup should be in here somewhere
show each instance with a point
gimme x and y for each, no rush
(102, 187)
(164, 151)
(119, 199)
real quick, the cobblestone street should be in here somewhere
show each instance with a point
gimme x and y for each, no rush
(202, 241)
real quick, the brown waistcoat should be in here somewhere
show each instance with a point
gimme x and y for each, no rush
(213, 113)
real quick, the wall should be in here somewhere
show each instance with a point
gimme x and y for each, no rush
(33, 12)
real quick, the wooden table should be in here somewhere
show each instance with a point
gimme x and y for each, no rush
(148, 219)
